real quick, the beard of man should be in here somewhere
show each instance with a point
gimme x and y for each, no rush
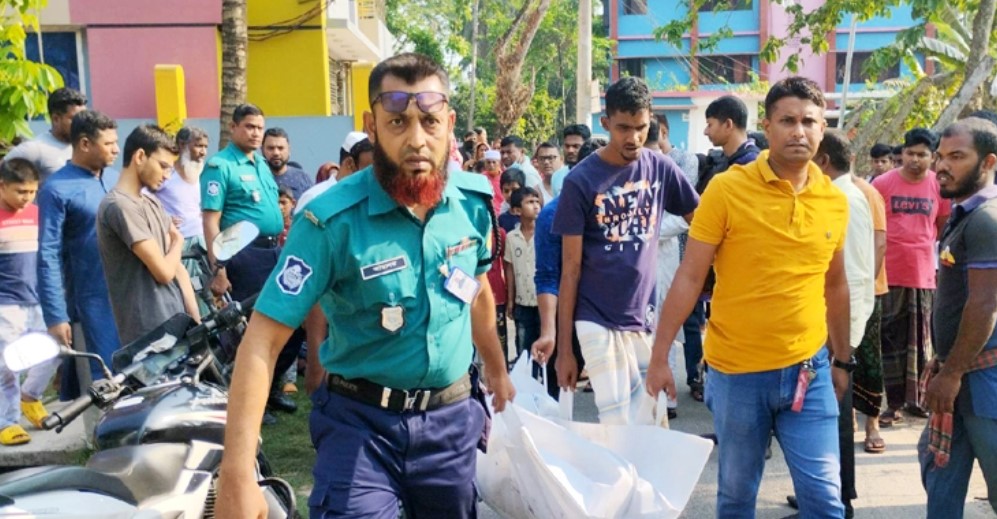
(424, 190)
(967, 186)
(191, 168)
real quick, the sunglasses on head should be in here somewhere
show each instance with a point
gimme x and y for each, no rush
(397, 102)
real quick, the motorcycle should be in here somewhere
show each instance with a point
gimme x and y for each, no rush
(159, 440)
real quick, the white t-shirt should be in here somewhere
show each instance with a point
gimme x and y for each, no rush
(313, 192)
(47, 153)
(860, 259)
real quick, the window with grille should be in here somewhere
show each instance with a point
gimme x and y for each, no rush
(725, 5)
(634, 6)
(858, 61)
(632, 67)
(718, 70)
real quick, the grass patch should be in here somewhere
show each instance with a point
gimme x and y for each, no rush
(288, 446)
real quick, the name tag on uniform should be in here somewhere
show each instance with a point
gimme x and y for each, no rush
(247, 178)
(383, 268)
(462, 285)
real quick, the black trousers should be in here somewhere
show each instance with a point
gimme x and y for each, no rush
(248, 271)
(846, 443)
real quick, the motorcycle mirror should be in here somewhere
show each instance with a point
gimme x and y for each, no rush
(29, 351)
(229, 242)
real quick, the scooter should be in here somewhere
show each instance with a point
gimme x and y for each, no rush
(159, 440)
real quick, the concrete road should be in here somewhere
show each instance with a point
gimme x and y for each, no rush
(888, 484)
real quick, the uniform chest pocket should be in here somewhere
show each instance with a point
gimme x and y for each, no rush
(389, 282)
(467, 261)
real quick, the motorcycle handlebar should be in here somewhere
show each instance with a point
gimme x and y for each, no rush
(226, 317)
(67, 414)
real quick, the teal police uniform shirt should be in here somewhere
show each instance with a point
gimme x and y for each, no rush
(379, 275)
(242, 190)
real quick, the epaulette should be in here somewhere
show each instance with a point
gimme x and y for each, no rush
(338, 198)
(472, 183)
(214, 162)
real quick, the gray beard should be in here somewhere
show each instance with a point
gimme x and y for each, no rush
(191, 168)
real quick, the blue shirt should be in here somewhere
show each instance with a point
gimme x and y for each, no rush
(557, 179)
(67, 242)
(547, 247)
(617, 212)
(379, 275)
(296, 180)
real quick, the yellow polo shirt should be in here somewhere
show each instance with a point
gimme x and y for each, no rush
(774, 248)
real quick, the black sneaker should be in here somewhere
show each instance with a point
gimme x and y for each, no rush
(269, 418)
(280, 402)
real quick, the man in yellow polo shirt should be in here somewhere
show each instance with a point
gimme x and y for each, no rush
(775, 231)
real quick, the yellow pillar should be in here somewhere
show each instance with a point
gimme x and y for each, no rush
(359, 77)
(171, 99)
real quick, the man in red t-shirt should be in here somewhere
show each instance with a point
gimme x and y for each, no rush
(915, 214)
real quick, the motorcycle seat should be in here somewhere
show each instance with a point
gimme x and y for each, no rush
(147, 470)
(52, 478)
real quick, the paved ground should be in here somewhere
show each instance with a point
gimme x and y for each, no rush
(888, 484)
(48, 447)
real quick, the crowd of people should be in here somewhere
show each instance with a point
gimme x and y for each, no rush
(800, 289)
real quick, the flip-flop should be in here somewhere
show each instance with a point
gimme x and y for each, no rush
(890, 417)
(875, 445)
(14, 435)
(34, 412)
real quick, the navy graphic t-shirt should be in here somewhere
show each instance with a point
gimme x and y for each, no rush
(617, 210)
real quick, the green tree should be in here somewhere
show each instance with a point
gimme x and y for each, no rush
(24, 84)
(235, 59)
(550, 59)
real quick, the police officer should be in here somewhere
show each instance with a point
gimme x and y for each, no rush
(236, 186)
(396, 255)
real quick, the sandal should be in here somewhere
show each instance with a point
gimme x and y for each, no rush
(890, 417)
(696, 390)
(34, 412)
(14, 435)
(916, 411)
(875, 445)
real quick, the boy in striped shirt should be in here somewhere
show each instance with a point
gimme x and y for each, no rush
(20, 311)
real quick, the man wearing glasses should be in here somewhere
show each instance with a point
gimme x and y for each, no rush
(396, 255)
(139, 243)
(548, 158)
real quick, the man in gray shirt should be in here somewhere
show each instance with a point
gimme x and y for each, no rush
(50, 151)
(139, 245)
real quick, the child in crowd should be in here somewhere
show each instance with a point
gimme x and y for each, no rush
(493, 170)
(286, 201)
(520, 266)
(512, 180)
(20, 311)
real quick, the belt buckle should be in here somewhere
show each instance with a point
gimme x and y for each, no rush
(416, 400)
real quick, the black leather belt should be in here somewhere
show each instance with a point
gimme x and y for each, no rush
(265, 242)
(398, 400)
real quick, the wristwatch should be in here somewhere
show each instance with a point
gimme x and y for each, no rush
(847, 366)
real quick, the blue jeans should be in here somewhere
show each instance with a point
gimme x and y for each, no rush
(747, 408)
(693, 346)
(973, 438)
(369, 459)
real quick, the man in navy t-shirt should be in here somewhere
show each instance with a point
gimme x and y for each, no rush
(609, 216)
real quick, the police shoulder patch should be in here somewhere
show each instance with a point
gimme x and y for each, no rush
(293, 275)
(214, 187)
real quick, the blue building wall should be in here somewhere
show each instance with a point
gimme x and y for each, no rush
(667, 67)
(314, 140)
